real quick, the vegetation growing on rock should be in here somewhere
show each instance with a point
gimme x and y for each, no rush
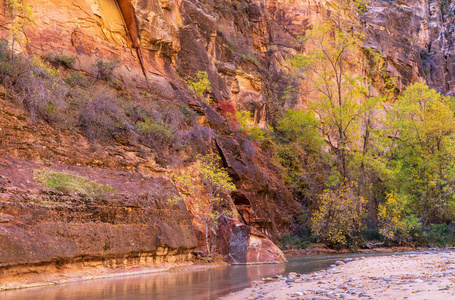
(365, 156)
(208, 185)
(70, 183)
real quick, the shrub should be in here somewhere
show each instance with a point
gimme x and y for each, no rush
(299, 239)
(438, 235)
(12, 70)
(66, 182)
(251, 58)
(63, 60)
(33, 84)
(189, 115)
(227, 110)
(339, 218)
(100, 116)
(77, 79)
(157, 130)
(105, 69)
(160, 124)
(201, 85)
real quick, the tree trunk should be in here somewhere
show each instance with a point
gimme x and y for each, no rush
(207, 244)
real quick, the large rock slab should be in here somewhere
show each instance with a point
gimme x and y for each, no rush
(38, 225)
(242, 244)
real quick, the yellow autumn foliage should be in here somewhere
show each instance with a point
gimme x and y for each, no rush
(340, 215)
(395, 220)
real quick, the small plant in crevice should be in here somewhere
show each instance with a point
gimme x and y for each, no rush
(201, 85)
(251, 58)
(261, 136)
(105, 69)
(62, 59)
(228, 111)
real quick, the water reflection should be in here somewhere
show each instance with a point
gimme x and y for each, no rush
(202, 284)
(184, 285)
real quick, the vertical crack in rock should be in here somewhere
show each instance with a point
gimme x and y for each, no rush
(127, 11)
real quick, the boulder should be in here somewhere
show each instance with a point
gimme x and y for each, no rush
(242, 244)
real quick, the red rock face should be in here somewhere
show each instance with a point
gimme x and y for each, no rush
(242, 46)
(155, 41)
(45, 234)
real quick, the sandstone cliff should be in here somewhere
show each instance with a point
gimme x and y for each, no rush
(242, 45)
(159, 44)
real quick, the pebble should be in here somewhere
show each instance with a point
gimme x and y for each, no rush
(346, 288)
(342, 286)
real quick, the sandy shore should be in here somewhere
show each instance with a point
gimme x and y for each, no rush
(417, 276)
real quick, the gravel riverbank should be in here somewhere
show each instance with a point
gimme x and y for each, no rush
(416, 276)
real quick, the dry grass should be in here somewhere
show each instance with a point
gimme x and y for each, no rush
(70, 183)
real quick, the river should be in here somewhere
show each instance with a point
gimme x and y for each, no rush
(182, 285)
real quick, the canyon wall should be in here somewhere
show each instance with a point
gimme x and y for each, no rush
(159, 44)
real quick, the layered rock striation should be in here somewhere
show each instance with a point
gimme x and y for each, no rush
(158, 44)
(243, 46)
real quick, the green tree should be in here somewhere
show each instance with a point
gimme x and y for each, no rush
(396, 219)
(332, 51)
(422, 152)
(208, 185)
(337, 75)
(300, 153)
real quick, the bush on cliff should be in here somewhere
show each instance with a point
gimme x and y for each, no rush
(208, 185)
(70, 183)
